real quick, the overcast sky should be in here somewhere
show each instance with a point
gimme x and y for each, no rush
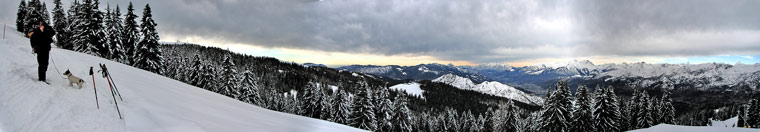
(521, 32)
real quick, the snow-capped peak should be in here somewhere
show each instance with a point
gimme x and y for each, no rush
(572, 64)
(456, 81)
(489, 87)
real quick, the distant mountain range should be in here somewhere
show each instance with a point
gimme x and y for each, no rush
(537, 78)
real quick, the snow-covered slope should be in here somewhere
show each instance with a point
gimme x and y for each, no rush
(411, 88)
(677, 128)
(489, 87)
(151, 102)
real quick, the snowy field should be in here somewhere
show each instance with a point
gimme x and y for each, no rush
(411, 88)
(677, 128)
(718, 126)
(151, 102)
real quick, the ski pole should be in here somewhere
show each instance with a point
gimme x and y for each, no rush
(93, 88)
(108, 76)
(114, 99)
(114, 87)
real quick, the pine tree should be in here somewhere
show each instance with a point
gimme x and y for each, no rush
(324, 102)
(667, 111)
(33, 16)
(341, 107)
(505, 118)
(21, 16)
(97, 35)
(606, 112)
(753, 114)
(148, 55)
(488, 121)
(250, 90)
(310, 98)
(229, 81)
(625, 114)
(130, 35)
(114, 41)
(44, 12)
(466, 121)
(645, 110)
(362, 111)
(582, 116)
(556, 111)
(195, 72)
(741, 122)
(383, 110)
(71, 29)
(634, 109)
(88, 35)
(480, 124)
(61, 24)
(451, 122)
(401, 119)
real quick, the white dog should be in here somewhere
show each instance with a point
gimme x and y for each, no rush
(73, 79)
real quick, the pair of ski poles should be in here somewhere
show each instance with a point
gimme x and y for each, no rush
(111, 84)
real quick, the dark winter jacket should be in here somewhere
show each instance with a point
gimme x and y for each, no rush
(40, 40)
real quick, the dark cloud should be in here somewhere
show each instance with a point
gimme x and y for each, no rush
(470, 30)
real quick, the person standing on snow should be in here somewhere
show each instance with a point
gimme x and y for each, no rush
(40, 40)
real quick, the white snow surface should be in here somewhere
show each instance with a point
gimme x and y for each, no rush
(489, 87)
(411, 88)
(678, 128)
(717, 126)
(151, 102)
(730, 122)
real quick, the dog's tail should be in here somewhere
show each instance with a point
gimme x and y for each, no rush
(81, 81)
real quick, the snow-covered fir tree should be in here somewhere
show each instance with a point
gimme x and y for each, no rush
(383, 109)
(644, 116)
(341, 107)
(633, 110)
(33, 15)
(312, 97)
(452, 120)
(130, 35)
(44, 12)
(207, 77)
(324, 101)
(556, 114)
(87, 28)
(467, 121)
(114, 41)
(61, 24)
(753, 113)
(21, 16)
(194, 71)
(667, 111)
(488, 120)
(228, 83)
(294, 105)
(606, 111)
(249, 89)
(741, 115)
(147, 54)
(505, 118)
(98, 34)
(582, 115)
(625, 114)
(363, 110)
(401, 120)
(71, 29)
(480, 123)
